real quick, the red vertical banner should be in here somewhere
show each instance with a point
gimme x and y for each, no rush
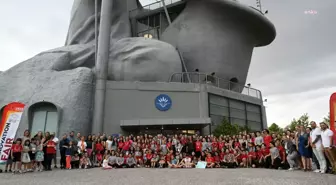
(332, 111)
(8, 126)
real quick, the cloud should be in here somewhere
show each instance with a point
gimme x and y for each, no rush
(281, 109)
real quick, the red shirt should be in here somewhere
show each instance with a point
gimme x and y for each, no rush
(217, 159)
(237, 144)
(149, 156)
(214, 144)
(51, 148)
(99, 147)
(210, 160)
(168, 157)
(260, 154)
(126, 145)
(16, 148)
(169, 144)
(222, 154)
(221, 145)
(120, 145)
(267, 140)
(183, 141)
(253, 154)
(281, 151)
(265, 151)
(244, 156)
(198, 146)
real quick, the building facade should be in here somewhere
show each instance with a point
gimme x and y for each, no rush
(167, 71)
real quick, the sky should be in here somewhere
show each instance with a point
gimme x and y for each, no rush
(296, 73)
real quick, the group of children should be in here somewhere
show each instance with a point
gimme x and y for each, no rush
(27, 156)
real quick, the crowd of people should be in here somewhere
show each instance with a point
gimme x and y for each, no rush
(302, 149)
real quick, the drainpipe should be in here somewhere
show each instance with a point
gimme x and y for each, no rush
(101, 65)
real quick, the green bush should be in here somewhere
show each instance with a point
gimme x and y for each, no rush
(225, 128)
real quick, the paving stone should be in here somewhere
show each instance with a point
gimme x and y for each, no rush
(170, 177)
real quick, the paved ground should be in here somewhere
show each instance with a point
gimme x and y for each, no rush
(170, 176)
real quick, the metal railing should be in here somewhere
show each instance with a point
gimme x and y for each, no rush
(156, 5)
(202, 78)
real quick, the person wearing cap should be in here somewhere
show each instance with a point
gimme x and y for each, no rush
(55, 140)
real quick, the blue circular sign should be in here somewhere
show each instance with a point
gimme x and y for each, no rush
(163, 102)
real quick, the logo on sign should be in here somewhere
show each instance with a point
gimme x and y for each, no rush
(163, 102)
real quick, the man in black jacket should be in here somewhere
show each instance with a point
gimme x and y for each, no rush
(63, 145)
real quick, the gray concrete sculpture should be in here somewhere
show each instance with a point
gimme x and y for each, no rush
(219, 36)
(213, 36)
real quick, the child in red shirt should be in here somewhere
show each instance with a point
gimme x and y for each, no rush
(210, 161)
(217, 160)
(244, 158)
(51, 151)
(16, 155)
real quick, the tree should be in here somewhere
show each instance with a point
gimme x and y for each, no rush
(225, 128)
(275, 128)
(303, 120)
(327, 119)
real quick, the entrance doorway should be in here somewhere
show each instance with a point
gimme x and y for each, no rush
(44, 117)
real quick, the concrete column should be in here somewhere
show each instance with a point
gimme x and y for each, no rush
(102, 65)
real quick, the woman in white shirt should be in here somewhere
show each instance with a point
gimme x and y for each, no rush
(108, 144)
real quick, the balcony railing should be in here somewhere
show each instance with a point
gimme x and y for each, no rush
(202, 78)
(156, 5)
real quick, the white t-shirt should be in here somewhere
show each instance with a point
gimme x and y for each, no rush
(80, 145)
(109, 144)
(313, 135)
(56, 141)
(326, 134)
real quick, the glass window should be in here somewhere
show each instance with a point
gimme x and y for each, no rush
(216, 120)
(237, 104)
(251, 116)
(219, 110)
(44, 118)
(236, 113)
(39, 119)
(240, 122)
(253, 108)
(254, 126)
(218, 100)
(51, 122)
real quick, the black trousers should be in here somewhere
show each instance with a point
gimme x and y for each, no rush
(63, 159)
(49, 158)
(74, 164)
(129, 166)
(230, 165)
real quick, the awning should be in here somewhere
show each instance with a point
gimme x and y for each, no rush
(177, 121)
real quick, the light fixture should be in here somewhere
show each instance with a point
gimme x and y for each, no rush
(149, 36)
(249, 85)
(196, 70)
(213, 74)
